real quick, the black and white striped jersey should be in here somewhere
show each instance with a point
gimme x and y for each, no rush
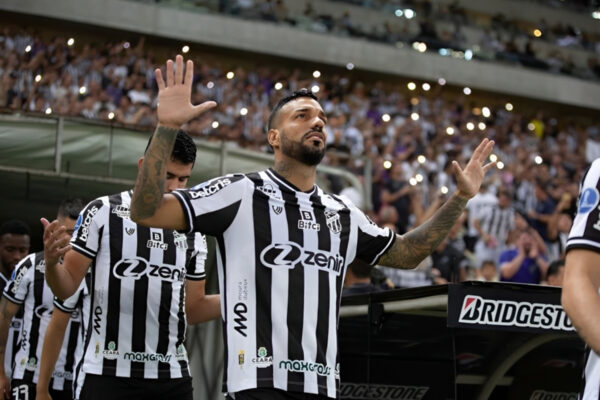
(12, 340)
(28, 287)
(497, 222)
(282, 256)
(77, 304)
(137, 315)
(585, 234)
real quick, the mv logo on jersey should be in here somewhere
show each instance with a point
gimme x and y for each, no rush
(240, 310)
(492, 312)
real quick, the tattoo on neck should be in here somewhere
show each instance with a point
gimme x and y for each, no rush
(282, 168)
(150, 184)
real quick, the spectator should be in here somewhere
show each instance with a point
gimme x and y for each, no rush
(449, 264)
(396, 192)
(556, 270)
(14, 245)
(544, 208)
(489, 271)
(358, 279)
(523, 263)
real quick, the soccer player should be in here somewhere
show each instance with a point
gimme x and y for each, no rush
(283, 243)
(581, 280)
(145, 282)
(28, 290)
(14, 246)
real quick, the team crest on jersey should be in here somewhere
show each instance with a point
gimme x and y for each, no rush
(31, 364)
(308, 221)
(157, 242)
(333, 221)
(180, 240)
(589, 200)
(269, 190)
(121, 211)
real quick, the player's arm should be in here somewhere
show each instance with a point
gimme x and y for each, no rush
(580, 297)
(200, 307)
(65, 278)
(55, 334)
(149, 205)
(411, 248)
(8, 309)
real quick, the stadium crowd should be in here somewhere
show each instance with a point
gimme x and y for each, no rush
(515, 228)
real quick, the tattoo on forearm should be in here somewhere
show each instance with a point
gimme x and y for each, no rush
(150, 183)
(411, 248)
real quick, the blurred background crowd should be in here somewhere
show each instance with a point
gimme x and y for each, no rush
(408, 132)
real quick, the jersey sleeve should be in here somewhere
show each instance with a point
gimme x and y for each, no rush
(195, 263)
(373, 241)
(69, 305)
(87, 232)
(585, 232)
(211, 206)
(17, 288)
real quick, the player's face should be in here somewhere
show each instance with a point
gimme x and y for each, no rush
(178, 174)
(302, 131)
(68, 223)
(13, 248)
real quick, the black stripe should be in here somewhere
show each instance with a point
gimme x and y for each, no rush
(34, 332)
(263, 278)
(164, 312)
(295, 311)
(221, 249)
(322, 330)
(74, 330)
(140, 298)
(181, 326)
(115, 226)
(86, 316)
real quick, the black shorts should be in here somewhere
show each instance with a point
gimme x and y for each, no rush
(273, 394)
(98, 387)
(23, 390)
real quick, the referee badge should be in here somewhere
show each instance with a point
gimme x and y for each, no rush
(333, 221)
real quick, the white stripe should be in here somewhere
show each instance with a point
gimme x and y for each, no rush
(83, 250)
(573, 241)
(152, 309)
(187, 211)
(592, 378)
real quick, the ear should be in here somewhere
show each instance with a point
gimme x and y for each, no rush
(274, 138)
(140, 161)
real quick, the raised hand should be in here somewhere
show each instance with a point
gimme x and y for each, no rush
(56, 241)
(174, 96)
(469, 180)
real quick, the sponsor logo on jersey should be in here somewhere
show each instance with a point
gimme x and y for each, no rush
(363, 391)
(42, 311)
(333, 221)
(62, 375)
(210, 189)
(240, 310)
(16, 324)
(181, 352)
(17, 278)
(157, 242)
(277, 209)
(269, 190)
(146, 357)
(307, 222)
(97, 319)
(262, 360)
(544, 395)
(31, 364)
(290, 254)
(135, 268)
(82, 228)
(111, 352)
(588, 200)
(305, 366)
(121, 211)
(479, 311)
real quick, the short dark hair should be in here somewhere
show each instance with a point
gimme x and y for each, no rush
(360, 268)
(296, 95)
(16, 227)
(554, 267)
(70, 208)
(184, 149)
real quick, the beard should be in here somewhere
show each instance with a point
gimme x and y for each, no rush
(306, 154)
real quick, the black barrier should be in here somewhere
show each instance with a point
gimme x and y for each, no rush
(471, 340)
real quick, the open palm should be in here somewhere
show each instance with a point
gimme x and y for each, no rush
(174, 95)
(469, 180)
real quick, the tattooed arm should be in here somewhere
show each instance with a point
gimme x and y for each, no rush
(411, 248)
(149, 205)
